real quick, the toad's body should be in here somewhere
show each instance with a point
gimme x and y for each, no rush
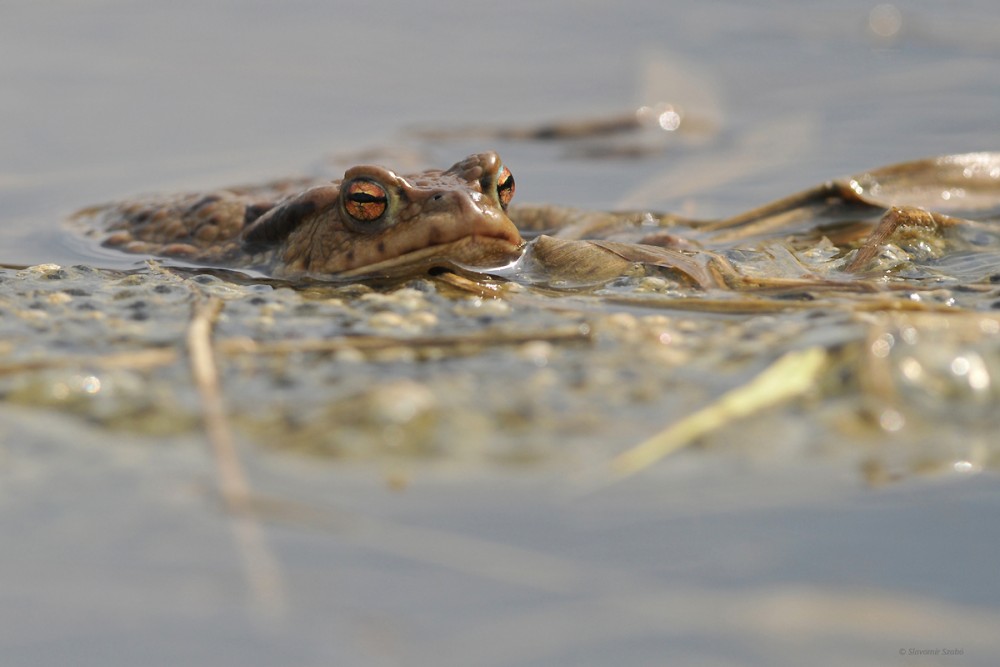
(371, 220)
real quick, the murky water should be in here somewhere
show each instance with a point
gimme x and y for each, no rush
(437, 490)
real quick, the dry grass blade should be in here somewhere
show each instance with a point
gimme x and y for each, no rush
(463, 284)
(454, 345)
(791, 375)
(232, 481)
(761, 302)
(262, 568)
(788, 213)
(135, 360)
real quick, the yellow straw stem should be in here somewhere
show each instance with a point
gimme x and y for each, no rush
(791, 375)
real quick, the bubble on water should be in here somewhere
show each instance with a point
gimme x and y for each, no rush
(891, 420)
(965, 467)
(90, 384)
(885, 20)
(883, 345)
(972, 367)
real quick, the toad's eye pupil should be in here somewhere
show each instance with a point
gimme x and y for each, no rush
(505, 186)
(365, 201)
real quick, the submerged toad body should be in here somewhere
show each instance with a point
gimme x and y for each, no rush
(371, 221)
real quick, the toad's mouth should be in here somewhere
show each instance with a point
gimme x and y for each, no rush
(476, 250)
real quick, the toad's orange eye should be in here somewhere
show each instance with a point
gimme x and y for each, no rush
(364, 200)
(505, 186)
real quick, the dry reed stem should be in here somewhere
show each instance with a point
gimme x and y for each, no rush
(790, 376)
(261, 567)
(134, 360)
(232, 480)
(477, 287)
(363, 343)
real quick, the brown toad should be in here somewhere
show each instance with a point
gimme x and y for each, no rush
(371, 221)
